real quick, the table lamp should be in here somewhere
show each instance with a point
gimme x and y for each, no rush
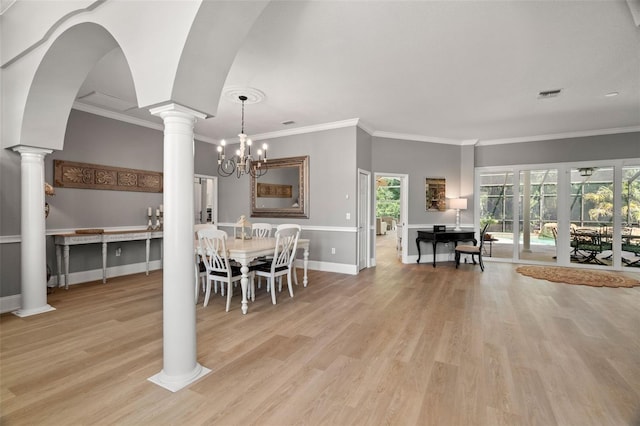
(458, 204)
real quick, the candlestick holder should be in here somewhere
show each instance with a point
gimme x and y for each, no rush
(149, 223)
(159, 221)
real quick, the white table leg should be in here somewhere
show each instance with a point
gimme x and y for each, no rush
(59, 263)
(305, 280)
(104, 263)
(66, 267)
(148, 247)
(244, 283)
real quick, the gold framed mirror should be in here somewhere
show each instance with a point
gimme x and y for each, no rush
(283, 191)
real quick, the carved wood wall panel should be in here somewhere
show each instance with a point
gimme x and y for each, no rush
(271, 190)
(69, 174)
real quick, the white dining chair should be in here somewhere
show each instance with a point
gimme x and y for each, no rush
(261, 230)
(213, 252)
(292, 225)
(201, 271)
(282, 262)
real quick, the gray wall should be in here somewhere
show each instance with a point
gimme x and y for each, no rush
(421, 160)
(603, 147)
(332, 177)
(335, 155)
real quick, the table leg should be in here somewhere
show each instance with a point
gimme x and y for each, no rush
(434, 253)
(104, 263)
(305, 280)
(66, 267)
(418, 245)
(244, 283)
(148, 247)
(59, 263)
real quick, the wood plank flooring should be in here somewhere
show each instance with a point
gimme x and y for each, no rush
(396, 344)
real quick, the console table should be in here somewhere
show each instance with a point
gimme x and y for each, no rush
(443, 237)
(63, 241)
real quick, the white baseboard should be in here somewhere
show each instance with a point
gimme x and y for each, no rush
(340, 268)
(112, 271)
(10, 303)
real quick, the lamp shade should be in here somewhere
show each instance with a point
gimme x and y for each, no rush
(458, 203)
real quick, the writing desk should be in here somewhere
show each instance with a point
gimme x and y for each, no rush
(448, 236)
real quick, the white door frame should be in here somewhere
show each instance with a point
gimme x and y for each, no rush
(404, 209)
(214, 207)
(364, 245)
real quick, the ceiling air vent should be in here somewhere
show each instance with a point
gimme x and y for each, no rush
(549, 93)
(288, 122)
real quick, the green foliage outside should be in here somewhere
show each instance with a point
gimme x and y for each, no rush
(603, 203)
(388, 199)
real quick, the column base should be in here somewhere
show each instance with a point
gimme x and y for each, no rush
(28, 312)
(175, 383)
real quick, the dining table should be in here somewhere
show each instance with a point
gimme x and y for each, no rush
(245, 251)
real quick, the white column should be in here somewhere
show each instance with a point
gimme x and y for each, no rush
(33, 262)
(180, 367)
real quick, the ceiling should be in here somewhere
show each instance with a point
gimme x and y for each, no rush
(441, 71)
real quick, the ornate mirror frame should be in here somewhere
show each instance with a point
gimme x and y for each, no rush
(302, 208)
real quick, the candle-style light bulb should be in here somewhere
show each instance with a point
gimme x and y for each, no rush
(249, 147)
(259, 155)
(264, 147)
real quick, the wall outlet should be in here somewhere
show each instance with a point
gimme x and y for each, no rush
(348, 216)
(118, 251)
(333, 250)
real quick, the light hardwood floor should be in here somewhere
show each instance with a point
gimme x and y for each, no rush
(396, 344)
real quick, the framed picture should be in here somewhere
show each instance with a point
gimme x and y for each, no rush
(435, 194)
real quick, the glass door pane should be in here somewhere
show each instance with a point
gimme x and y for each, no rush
(591, 215)
(496, 208)
(538, 215)
(631, 216)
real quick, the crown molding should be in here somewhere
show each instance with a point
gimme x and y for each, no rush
(131, 120)
(417, 138)
(567, 135)
(364, 126)
(307, 129)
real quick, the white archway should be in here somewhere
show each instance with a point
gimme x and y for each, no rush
(179, 55)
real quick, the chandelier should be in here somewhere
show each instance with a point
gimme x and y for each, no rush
(242, 162)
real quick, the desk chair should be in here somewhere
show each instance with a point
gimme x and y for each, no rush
(472, 250)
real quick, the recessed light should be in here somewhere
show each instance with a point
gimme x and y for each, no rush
(612, 94)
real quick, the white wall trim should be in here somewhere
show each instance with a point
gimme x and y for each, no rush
(13, 302)
(307, 129)
(417, 138)
(82, 277)
(10, 239)
(567, 135)
(339, 268)
(91, 109)
(429, 226)
(350, 229)
(356, 122)
(10, 303)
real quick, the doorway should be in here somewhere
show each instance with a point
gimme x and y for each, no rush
(205, 196)
(391, 201)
